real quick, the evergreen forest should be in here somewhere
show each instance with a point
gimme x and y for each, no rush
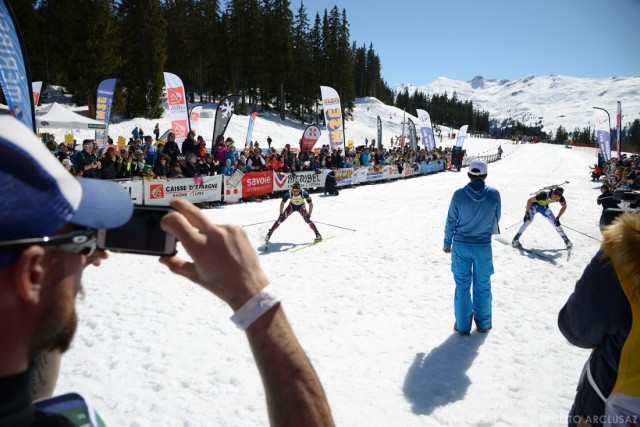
(274, 56)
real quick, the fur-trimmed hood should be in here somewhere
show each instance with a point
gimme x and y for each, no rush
(622, 245)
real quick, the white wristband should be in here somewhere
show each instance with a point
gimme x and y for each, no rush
(258, 305)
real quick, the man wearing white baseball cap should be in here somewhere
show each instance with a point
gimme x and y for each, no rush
(473, 216)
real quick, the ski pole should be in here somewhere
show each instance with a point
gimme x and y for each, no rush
(256, 223)
(336, 226)
(511, 226)
(584, 234)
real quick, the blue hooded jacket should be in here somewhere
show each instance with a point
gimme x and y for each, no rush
(473, 214)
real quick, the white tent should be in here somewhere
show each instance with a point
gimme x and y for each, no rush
(59, 117)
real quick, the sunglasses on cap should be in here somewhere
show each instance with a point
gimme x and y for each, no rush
(81, 242)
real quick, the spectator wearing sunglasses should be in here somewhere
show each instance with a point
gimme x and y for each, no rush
(48, 237)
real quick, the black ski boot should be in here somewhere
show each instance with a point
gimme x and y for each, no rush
(516, 241)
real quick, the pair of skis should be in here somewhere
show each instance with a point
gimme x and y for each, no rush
(539, 255)
(265, 248)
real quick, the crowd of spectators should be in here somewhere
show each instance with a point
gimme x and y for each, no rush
(142, 157)
(618, 174)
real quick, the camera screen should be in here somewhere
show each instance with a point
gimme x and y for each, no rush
(141, 233)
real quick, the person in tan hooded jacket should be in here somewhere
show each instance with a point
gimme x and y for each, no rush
(603, 314)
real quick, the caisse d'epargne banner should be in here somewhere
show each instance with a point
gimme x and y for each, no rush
(160, 192)
(177, 103)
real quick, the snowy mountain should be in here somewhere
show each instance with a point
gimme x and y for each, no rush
(552, 100)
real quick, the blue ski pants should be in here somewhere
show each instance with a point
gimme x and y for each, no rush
(472, 265)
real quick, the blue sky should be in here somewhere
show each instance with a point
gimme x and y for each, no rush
(420, 40)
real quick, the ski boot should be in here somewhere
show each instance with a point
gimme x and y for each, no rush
(318, 237)
(568, 243)
(516, 241)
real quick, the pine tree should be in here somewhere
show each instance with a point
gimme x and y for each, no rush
(302, 92)
(211, 42)
(278, 18)
(143, 32)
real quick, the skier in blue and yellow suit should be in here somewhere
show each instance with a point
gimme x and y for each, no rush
(540, 204)
(297, 199)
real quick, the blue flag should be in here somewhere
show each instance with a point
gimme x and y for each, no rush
(14, 73)
(106, 88)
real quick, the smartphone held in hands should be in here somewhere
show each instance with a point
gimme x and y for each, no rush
(141, 235)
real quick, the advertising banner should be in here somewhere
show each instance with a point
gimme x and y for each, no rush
(177, 103)
(284, 181)
(104, 99)
(426, 130)
(194, 117)
(603, 132)
(309, 137)
(461, 136)
(160, 192)
(333, 117)
(14, 74)
(36, 87)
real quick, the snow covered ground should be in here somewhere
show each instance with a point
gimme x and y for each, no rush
(372, 307)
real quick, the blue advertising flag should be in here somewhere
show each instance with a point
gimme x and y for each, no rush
(104, 99)
(603, 132)
(379, 133)
(413, 143)
(252, 120)
(426, 130)
(15, 81)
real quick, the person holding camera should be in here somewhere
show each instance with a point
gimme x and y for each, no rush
(109, 165)
(127, 166)
(87, 162)
(539, 204)
(297, 199)
(49, 238)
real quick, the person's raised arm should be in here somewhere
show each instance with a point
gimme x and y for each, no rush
(225, 263)
(530, 202)
(563, 207)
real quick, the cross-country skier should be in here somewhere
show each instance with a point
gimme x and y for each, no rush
(297, 199)
(540, 204)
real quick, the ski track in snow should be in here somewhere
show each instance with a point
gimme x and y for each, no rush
(373, 309)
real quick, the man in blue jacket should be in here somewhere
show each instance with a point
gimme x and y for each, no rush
(473, 217)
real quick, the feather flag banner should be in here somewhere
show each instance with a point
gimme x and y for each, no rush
(177, 102)
(333, 117)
